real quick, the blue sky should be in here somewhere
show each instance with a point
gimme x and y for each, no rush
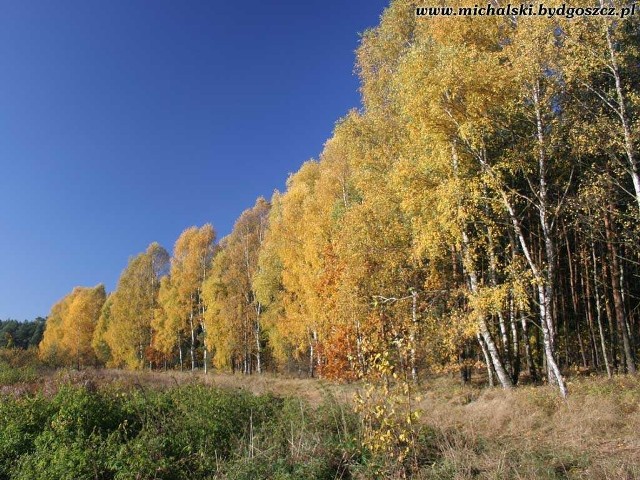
(123, 122)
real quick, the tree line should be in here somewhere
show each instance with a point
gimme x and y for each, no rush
(480, 210)
(23, 335)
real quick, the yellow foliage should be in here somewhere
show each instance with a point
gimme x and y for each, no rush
(70, 326)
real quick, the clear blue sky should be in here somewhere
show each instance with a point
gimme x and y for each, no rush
(123, 122)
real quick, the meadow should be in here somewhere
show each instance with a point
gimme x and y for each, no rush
(114, 424)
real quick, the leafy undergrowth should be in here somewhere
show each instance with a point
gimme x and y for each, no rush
(186, 432)
(101, 425)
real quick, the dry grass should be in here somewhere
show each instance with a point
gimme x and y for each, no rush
(313, 391)
(531, 433)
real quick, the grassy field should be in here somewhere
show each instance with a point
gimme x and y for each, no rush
(104, 424)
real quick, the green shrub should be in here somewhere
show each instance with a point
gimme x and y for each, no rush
(22, 420)
(190, 432)
(11, 376)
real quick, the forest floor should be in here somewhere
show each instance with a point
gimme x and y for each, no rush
(529, 432)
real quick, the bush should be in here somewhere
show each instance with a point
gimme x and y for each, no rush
(190, 432)
(22, 420)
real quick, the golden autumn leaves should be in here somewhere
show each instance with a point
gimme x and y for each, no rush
(70, 326)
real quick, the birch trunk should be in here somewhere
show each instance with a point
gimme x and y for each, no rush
(487, 360)
(503, 377)
(543, 300)
(258, 344)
